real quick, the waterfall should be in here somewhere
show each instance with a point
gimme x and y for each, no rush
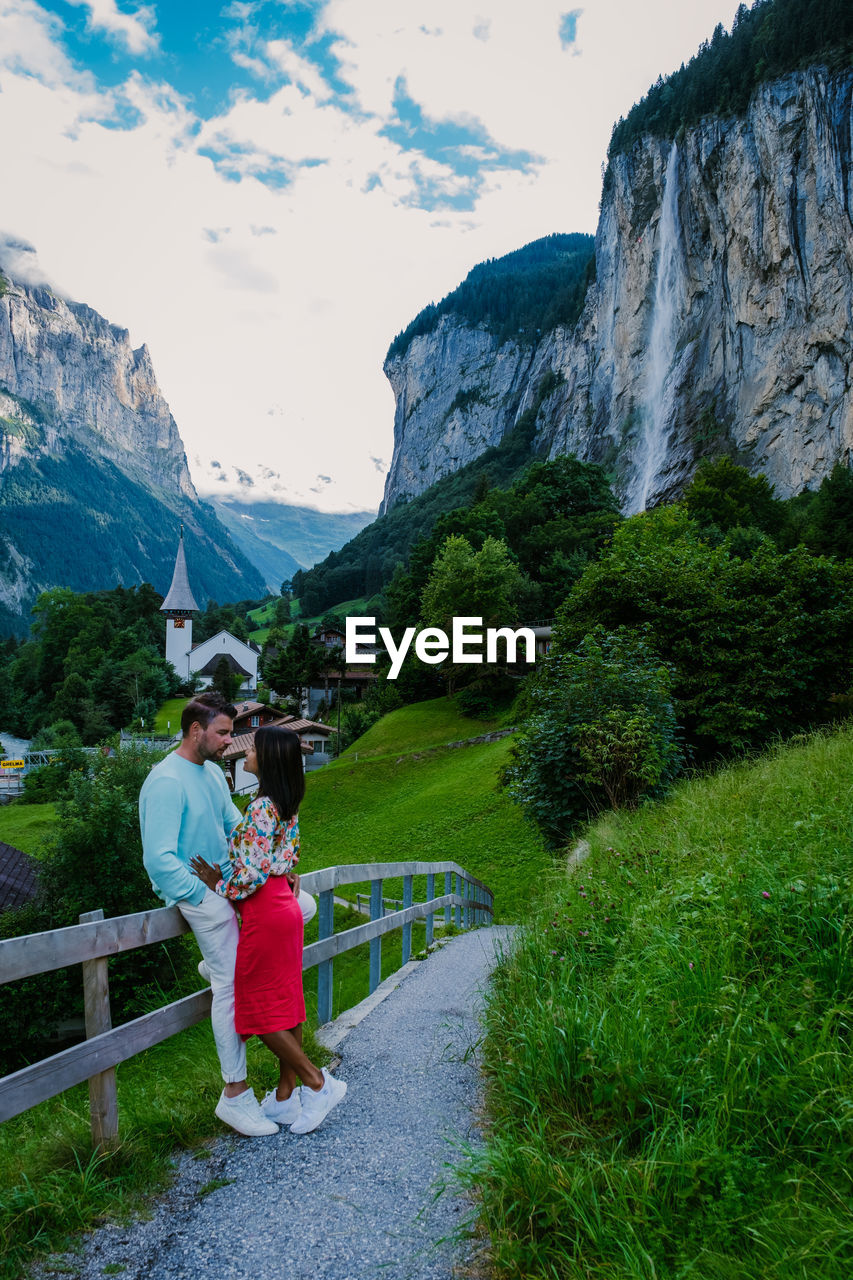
(662, 379)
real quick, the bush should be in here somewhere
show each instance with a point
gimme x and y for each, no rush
(602, 732)
(95, 861)
(51, 781)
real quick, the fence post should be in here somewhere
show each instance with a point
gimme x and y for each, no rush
(448, 888)
(103, 1099)
(430, 919)
(407, 928)
(326, 922)
(377, 911)
(458, 905)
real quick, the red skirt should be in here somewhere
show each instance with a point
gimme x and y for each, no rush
(268, 992)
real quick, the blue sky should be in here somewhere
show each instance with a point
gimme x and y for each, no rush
(266, 193)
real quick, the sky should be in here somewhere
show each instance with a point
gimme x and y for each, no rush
(266, 193)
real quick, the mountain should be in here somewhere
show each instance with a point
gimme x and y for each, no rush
(280, 539)
(718, 316)
(94, 483)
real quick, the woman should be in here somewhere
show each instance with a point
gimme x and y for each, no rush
(268, 996)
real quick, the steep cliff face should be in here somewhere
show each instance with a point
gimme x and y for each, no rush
(720, 318)
(93, 476)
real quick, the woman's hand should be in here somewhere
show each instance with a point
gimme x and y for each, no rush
(292, 878)
(206, 873)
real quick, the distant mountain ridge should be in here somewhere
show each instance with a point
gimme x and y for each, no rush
(281, 539)
(94, 482)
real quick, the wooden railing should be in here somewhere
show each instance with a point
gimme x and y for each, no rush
(94, 939)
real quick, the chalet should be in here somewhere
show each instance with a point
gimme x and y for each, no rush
(314, 736)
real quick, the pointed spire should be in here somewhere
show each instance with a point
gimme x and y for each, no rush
(180, 598)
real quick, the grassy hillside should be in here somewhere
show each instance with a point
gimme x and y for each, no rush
(425, 724)
(675, 1100)
(412, 798)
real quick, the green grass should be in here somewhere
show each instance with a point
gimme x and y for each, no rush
(443, 804)
(27, 826)
(414, 728)
(168, 719)
(670, 1084)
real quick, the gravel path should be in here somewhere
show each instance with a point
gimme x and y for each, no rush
(360, 1198)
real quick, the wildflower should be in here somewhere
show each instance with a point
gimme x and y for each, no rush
(690, 966)
(764, 893)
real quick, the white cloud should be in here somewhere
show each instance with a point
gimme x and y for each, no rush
(268, 310)
(135, 31)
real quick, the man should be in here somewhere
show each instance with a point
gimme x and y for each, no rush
(185, 808)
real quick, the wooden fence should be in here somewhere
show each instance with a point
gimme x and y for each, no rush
(94, 939)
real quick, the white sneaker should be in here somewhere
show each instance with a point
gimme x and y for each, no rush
(282, 1112)
(316, 1106)
(203, 970)
(244, 1114)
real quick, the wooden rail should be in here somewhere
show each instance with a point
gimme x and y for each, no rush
(91, 942)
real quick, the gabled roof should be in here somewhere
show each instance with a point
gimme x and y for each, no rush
(179, 596)
(209, 668)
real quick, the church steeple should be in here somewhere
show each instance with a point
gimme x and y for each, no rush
(179, 607)
(179, 600)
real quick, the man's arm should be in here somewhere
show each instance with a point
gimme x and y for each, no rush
(160, 808)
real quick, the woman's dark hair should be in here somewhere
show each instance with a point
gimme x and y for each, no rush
(280, 772)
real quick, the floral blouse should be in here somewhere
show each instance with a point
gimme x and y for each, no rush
(259, 846)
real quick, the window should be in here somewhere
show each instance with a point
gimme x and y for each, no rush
(256, 720)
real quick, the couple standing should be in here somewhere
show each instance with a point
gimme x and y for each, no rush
(202, 855)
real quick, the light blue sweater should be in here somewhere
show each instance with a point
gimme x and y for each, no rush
(184, 809)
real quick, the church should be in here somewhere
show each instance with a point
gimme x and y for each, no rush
(202, 659)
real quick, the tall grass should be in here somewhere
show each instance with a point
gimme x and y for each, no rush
(670, 1085)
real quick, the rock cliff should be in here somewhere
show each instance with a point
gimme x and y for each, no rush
(93, 477)
(719, 320)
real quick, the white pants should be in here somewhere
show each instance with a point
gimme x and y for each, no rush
(214, 923)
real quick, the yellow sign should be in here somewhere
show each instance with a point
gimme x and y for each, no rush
(12, 764)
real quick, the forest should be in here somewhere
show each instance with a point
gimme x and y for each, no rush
(766, 41)
(528, 291)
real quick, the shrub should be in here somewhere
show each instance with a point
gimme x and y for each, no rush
(602, 732)
(95, 861)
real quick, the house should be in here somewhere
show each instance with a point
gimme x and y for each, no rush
(251, 715)
(241, 657)
(329, 638)
(314, 736)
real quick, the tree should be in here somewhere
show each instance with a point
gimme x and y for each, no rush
(226, 681)
(757, 645)
(294, 668)
(602, 731)
(464, 582)
(724, 496)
